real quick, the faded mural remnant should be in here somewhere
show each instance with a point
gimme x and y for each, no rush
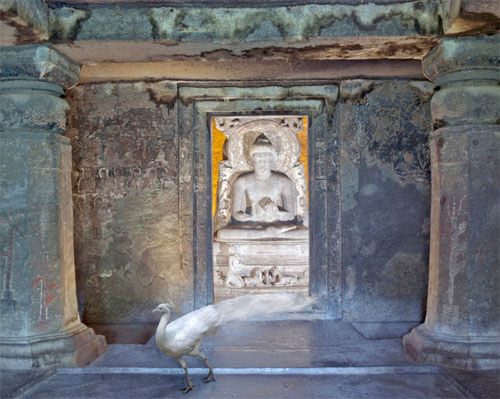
(10, 234)
(47, 288)
(44, 287)
(455, 233)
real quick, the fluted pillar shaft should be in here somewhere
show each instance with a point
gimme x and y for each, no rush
(462, 324)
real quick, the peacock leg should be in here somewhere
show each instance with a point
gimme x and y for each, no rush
(210, 376)
(189, 386)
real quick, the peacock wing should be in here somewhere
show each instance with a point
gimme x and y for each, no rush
(185, 332)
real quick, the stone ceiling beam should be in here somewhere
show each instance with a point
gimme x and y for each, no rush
(251, 70)
(74, 21)
(91, 31)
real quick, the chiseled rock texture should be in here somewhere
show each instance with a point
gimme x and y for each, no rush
(39, 320)
(128, 237)
(225, 22)
(385, 198)
(125, 154)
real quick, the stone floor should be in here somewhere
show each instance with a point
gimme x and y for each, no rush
(278, 359)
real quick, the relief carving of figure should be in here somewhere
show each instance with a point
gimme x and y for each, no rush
(234, 278)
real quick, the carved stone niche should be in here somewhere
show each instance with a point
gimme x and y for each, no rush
(261, 235)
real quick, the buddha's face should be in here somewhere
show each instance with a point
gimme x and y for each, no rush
(263, 161)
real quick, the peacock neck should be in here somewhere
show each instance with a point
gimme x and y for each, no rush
(162, 324)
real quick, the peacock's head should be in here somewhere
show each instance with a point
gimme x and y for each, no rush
(164, 307)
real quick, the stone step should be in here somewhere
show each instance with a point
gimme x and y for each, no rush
(371, 370)
(420, 382)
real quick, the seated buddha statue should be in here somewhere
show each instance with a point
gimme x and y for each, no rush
(264, 200)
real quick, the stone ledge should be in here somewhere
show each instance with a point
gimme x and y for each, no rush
(383, 329)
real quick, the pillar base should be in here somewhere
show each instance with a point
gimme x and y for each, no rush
(467, 353)
(71, 349)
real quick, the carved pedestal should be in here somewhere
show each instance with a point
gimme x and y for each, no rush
(259, 266)
(39, 321)
(462, 325)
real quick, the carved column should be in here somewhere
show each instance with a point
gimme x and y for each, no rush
(39, 321)
(462, 324)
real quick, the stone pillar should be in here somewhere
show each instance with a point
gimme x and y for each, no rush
(39, 321)
(462, 324)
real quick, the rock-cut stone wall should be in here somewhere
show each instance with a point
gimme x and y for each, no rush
(128, 240)
(125, 203)
(385, 198)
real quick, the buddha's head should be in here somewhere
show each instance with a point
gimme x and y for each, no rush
(263, 155)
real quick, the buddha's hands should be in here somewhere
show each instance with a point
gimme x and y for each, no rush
(267, 211)
(242, 217)
(266, 202)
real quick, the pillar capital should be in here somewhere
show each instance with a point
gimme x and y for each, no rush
(466, 73)
(38, 62)
(32, 82)
(460, 59)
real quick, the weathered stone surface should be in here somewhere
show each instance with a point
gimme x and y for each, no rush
(470, 16)
(34, 12)
(31, 109)
(296, 22)
(465, 105)
(125, 190)
(39, 321)
(464, 56)
(30, 238)
(481, 7)
(375, 148)
(466, 166)
(69, 21)
(462, 322)
(385, 198)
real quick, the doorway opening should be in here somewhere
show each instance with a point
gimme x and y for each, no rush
(260, 212)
